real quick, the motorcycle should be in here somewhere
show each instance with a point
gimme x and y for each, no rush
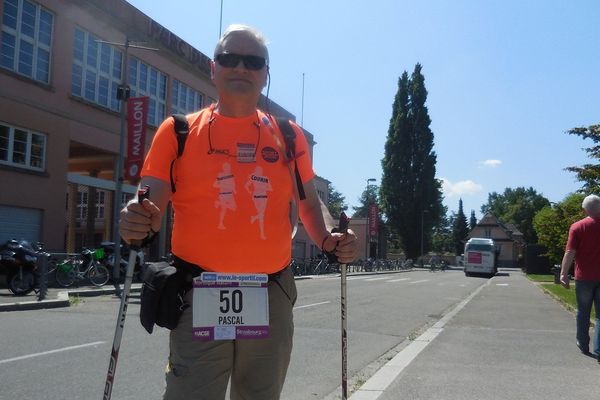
(18, 262)
(107, 251)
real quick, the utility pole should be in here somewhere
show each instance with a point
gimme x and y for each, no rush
(368, 230)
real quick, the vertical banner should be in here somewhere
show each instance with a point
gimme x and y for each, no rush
(137, 112)
(373, 219)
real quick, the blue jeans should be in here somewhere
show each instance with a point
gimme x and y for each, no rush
(588, 292)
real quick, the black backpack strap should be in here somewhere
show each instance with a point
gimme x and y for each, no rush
(182, 129)
(289, 137)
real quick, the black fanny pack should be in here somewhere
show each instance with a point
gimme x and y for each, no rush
(165, 285)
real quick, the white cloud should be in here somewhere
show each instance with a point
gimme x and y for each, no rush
(490, 163)
(460, 188)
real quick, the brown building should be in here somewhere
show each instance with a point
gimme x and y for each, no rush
(61, 65)
(508, 239)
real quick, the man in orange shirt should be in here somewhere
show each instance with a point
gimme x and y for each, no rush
(222, 229)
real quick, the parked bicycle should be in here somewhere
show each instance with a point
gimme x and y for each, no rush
(85, 266)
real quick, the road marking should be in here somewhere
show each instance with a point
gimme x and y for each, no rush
(376, 279)
(421, 281)
(354, 278)
(49, 352)
(501, 284)
(379, 382)
(398, 280)
(311, 305)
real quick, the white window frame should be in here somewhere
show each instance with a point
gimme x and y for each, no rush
(34, 41)
(94, 72)
(140, 85)
(184, 99)
(10, 150)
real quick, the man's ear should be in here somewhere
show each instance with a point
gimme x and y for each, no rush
(268, 77)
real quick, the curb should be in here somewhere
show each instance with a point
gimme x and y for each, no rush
(62, 299)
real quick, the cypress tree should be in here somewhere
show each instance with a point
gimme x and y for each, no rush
(460, 230)
(472, 220)
(410, 194)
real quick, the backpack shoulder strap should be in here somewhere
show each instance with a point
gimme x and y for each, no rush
(182, 129)
(289, 137)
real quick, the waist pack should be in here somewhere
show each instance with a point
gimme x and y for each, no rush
(162, 296)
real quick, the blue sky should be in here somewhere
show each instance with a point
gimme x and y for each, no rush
(506, 79)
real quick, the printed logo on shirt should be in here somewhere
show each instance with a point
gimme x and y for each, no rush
(269, 154)
(246, 152)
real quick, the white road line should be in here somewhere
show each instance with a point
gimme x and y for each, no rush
(501, 284)
(355, 278)
(311, 305)
(376, 279)
(376, 385)
(399, 280)
(49, 352)
(421, 281)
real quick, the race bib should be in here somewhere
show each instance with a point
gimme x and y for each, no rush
(229, 306)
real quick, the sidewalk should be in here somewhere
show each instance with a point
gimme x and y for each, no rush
(509, 340)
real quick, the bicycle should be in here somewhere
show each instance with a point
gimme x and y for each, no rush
(77, 268)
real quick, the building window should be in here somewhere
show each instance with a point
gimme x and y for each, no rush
(22, 148)
(26, 39)
(184, 99)
(147, 81)
(488, 233)
(96, 73)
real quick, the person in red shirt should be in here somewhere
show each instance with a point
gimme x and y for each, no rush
(583, 246)
(235, 208)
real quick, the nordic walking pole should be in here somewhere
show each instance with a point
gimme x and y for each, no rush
(343, 228)
(143, 193)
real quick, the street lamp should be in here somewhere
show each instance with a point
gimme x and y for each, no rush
(422, 229)
(368, 235)
(122, 96)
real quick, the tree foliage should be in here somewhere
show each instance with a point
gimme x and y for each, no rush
(336, 202)
(441, 240)
(552, 224)
(472, 220)
(411, 196)
(460, 229)
(589, 174)
(517, 206)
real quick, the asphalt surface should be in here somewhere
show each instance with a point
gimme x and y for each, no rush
(507, 340)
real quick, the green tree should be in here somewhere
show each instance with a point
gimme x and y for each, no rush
(517, 206)
(589, 174)
(552, 224)
(441, 240)
(472, 220)
(369, 196)
(411, 196)
(460, 229)
(336, 202)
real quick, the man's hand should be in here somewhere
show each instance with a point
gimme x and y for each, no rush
(564, 280)
(346, 249)
(137, 220)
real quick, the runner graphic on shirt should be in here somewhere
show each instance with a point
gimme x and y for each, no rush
(260, 186)
(225, 182)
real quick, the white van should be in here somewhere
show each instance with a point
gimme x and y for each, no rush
(480, 257)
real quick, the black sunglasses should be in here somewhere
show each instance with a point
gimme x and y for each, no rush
(231, 60)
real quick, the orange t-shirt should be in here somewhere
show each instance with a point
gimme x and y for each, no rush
(231, 205)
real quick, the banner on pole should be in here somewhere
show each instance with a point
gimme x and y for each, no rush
(137, 112)
(373, 219)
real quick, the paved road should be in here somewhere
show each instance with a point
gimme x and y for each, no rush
(38, 359)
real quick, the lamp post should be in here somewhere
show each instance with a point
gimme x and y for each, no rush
(368, 235)
(122, 96)
(422, 230)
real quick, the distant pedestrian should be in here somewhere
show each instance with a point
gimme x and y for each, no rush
(583, 246)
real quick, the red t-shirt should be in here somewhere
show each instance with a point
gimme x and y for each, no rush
(584, 240)
(231, 206)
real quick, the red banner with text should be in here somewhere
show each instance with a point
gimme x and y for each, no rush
(373, 219)
(137, 112)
